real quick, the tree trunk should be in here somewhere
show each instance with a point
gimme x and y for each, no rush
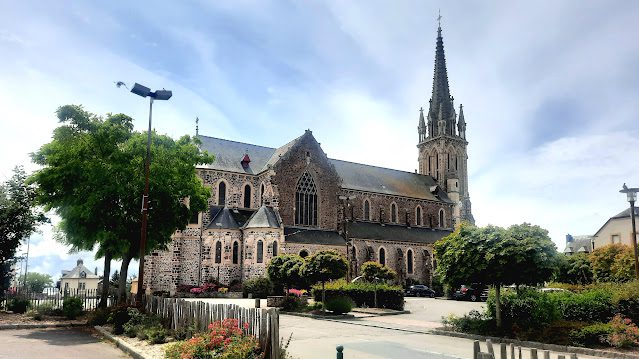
(498, 306)
(124, 273)
(105, 280)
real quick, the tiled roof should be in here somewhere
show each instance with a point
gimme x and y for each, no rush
(312, 236)
(626, 213)
(75, 272)
(265, 217)
(223, 220)
(240, 216)
(390, 232)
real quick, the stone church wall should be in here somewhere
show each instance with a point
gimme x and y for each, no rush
(396, 257)
(269, 236)
(296, 248)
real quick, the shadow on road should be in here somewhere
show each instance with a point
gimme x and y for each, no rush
(63, 336)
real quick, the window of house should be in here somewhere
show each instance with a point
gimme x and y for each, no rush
(274, 249)
(418, 216)
(247, 196)
(236, 253)
(409, 261)
(306, 201)
(382, 256)
(303, 253)
(616, 238)
(83, 274)
(218, 252)
(367, 210)
(81, 286)
(221, 194)
(442, 224)
(260, 251)
(393, 213)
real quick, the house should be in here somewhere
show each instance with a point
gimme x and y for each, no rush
(617, 229)
(578, 244)
(79, 279)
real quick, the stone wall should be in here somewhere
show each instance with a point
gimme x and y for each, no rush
(297, 248)
(268, 237)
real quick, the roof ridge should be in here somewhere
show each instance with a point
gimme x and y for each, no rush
(241, 143)
(384, 168)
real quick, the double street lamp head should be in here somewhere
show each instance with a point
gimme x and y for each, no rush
(144, 91)
(631, 193)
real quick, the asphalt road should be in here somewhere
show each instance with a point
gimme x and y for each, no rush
(62, 343)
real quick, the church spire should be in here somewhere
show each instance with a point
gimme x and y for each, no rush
(461, 125)
(421, 128)
(441, 93)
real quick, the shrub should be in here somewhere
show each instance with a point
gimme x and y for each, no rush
(99, 316)
(119, 316)
(624, 332)
(363, 294)
(292, 303)
(19, 305)
(260, 287)
(72, 307)
(184, 288)
(591, 335)
(527, 308)
(156, 334)
(222, 290)
(589, 306)
(474, 322)
(33, 313)
(235, 286)
(339, 304)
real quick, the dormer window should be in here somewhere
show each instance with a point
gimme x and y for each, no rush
(83, 274)
(245, 160)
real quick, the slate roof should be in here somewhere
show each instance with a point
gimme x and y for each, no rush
(265, 217)
(623, 214)
(75, 272)
(390, 232)
(223, 220)
(240, 216)
(579, 244)
(312, 236)
(357, 176)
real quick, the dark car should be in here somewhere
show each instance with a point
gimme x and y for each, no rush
(473, 292)
(419, 290)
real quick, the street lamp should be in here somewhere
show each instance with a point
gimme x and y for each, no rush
(346, 204)
(631, 194)
(144, 91)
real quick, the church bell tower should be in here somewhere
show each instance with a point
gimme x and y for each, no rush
(442, 140)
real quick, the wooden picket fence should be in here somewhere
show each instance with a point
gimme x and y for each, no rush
(263, 324)
(515, 352)
(53, 297)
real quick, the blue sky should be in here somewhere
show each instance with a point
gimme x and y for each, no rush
(549, 88)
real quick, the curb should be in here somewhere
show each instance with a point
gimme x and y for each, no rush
(543, 346)
(313, 316)
(120, 344)
(397, 312)
(39, 326)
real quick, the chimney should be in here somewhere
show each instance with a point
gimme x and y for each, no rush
(80, 262)
(96, 271)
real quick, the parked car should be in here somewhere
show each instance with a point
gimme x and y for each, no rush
(473, 292)
(551, 290)
(419, 290)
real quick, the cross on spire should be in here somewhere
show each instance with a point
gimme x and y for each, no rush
(439, 17)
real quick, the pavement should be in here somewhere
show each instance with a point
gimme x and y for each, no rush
(56, 343)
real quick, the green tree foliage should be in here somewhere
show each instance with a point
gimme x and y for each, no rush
(521, 254)
(602, 262)
(324, 266)
(93, 177)
(373, 270)
(36, 282)
(115, 279)
(623, 267)
(574, 269)
(18, 220)
(285, 270)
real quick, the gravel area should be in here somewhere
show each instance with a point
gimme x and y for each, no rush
(11, 318)
(142, 347)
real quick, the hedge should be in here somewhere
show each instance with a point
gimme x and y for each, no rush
(363, 294)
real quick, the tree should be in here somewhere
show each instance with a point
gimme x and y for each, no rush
(36, 282)
(372, 271)
(93, 176)
(18, 220)
(623, 266)
(522, 254)
(574, 269)
(115, 279)
(602, 260)
(324, 266)
(285, 270)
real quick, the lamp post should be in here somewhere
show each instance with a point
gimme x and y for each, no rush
(346, 205)
(631, 194)
(144, 91)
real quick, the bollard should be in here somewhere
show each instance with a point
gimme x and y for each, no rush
(340, 349)
(476, 349)
(257, 302)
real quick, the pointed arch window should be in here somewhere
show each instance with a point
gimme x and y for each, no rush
(442, 223)
(367, 210)
(382, 256)
(409, 261)
(418, 216)
(262, 194)
(247, 196)
(236, 253)
(260, 252)
(274, 249)
(221, 194)
(393, 213)
(218, 252)
(306, 201)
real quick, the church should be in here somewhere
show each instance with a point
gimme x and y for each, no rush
(295, 200)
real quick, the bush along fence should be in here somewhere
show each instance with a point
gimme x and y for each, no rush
(53, 297)
(512, 352)
(195, 316)
(363, 294)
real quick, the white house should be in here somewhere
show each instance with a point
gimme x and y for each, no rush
(79, 279)
(617, 229)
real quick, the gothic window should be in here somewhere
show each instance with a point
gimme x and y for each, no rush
(260, 251)
(218, 252)
(194, 218)
(262, 194)
(382, 256)
(409, 261)
(247, 196)
(236, 253)
(274, 249)
(306, 201)
(442, 224)
(303, 253)
(221, 194)
(418, 216)
(393, 213)
(367, 210)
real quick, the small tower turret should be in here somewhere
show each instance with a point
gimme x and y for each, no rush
(461, 124)
(421, 129)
